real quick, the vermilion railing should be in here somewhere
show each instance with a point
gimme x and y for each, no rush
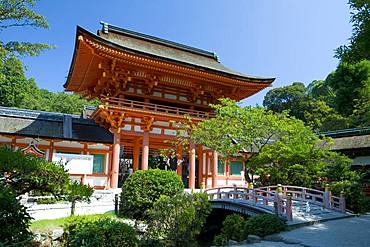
(279, 198)
(125, 103)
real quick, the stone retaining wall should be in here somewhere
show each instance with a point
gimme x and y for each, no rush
(102, 201)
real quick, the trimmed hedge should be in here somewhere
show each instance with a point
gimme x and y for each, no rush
(90, 232)
(143, 188)
(263, 225)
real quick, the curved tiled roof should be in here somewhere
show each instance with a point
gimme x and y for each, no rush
(14, 121)
(168, 50)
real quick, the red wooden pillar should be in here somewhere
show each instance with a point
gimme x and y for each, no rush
(207, 169)
(136, 155)
(200, 165)
(214, 168)
(145, 153)
(179, 162)
(192, 166)
(115, 160)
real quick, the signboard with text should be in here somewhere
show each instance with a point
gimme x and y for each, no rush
(75, 163)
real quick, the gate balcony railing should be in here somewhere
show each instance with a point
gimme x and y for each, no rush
(150, 107)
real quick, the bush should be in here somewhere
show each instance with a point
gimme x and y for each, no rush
(90, 232)
(14, 220)
(356, 200)
(263, 225)
(220, 240)
(233, 227)
(179, 219)
(143, 188)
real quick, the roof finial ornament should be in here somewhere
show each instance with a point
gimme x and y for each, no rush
(104, 27)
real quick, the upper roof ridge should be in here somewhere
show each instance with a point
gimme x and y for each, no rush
(106, 28)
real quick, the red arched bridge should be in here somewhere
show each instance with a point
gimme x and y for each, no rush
(291, 203)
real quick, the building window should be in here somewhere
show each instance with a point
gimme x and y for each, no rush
(236, 167)
(220, 168)
(98, 163)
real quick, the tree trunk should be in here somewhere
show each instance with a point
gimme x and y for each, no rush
(73, 207)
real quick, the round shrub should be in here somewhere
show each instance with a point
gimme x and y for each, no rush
(220, 240)
(179, 219)
(14, 220)
(233, 227)
(143, 188)
(90, 232)
(263, 225)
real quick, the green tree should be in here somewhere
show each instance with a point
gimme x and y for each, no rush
(24, 173)
(359, 45)
(280, 148)
(307, 104)
(350, 82)
(77, 192)
(19, 13)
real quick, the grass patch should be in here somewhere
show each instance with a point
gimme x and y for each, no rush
(49, 225)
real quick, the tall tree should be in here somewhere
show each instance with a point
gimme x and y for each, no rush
(351, 83)
(19, 13)
(359, 44)
(281, 148)
(299, 101)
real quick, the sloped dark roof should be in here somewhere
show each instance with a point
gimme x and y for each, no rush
(14, 121)
(169, 50)
(347, 132)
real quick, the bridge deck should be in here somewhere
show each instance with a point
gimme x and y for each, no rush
(303, 206)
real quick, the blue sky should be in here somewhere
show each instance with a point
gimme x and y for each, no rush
(292, 40)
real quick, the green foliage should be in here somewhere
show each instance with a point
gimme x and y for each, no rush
(351, 82)
(19, 13)
(18, 91)
(233, 227)
(24, 173)
(14, 220)
(359, 46)
(283, 150)
(312, 105)
(220, 240)
(177, 220)
(263, 225)
(85, 231)
(143, 188)
(236, 228)
(342, 178)
(75, 191)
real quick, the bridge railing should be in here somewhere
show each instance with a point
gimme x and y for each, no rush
(321, 198)
(269, 200)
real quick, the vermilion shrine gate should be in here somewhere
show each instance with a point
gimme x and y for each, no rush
(146, 85)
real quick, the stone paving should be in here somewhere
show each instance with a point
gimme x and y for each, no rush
(349, 232)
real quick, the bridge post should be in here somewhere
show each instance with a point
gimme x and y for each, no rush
(254, 197)
(342, 202)
(277, 204)
(289, 210)
(218, 193)
(327, 197)
(303, 197)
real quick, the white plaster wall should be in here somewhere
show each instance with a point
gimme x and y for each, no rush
(5, 139)
(69, 144)
(96, 181)
(99, 146)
